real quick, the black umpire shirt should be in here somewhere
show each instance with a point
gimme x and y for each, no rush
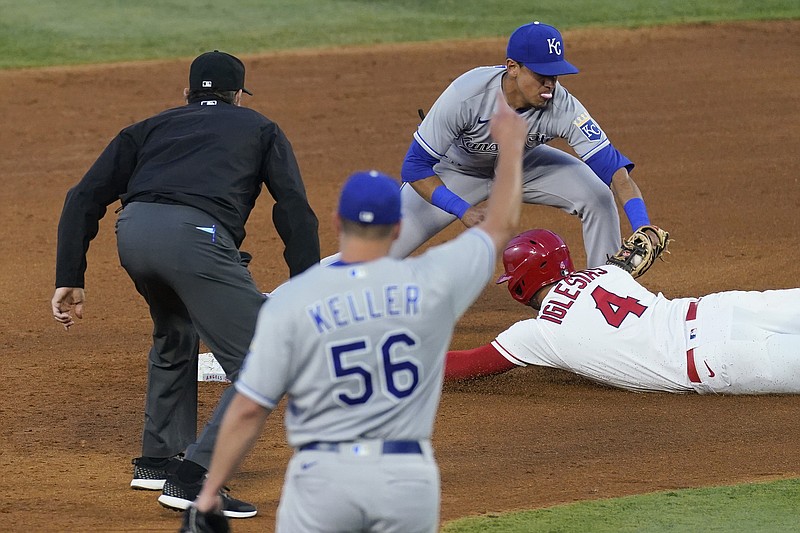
(207, 154)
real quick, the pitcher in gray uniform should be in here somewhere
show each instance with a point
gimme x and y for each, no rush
(449, 166)
(358, 348)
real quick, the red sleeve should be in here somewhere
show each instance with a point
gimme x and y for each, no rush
(482, 361)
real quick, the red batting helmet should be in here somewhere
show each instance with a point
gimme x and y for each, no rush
(532, 260)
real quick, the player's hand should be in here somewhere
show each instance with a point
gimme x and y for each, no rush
(655, 235)
(196, 521)
(474, 215)
(65, 300)
(208, 501)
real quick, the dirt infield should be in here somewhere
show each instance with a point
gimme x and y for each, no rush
(710, 115)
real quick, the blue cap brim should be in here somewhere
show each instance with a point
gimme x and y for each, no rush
(554, 68)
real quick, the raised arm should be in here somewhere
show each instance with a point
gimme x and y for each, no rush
(509, 131)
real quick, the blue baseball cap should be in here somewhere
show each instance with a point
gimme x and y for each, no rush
(370, 197)
(540, 48)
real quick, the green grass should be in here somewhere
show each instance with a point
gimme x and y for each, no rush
(53, 32)
(751, 508)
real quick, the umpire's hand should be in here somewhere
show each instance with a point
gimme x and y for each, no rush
(65, 300)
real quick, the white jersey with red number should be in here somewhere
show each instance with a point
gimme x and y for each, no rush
(602, 324)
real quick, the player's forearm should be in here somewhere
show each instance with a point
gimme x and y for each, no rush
(505, 201)
(509, 130)
(623, 186)
(298, 228)
(418, 172)
(482, 361)
(241, 426)
(630, 198)
(426, 186)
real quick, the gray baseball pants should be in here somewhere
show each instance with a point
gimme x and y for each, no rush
(360, 489)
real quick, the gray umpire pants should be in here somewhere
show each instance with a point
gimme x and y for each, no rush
(198, 287)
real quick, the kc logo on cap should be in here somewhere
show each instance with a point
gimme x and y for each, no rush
(554, 45)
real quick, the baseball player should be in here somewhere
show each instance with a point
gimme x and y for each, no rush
(449, 166)
(602, 324)
(188, 179)
(358, 348)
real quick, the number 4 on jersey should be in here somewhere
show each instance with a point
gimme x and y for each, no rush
(614, 307)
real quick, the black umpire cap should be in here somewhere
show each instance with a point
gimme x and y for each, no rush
(217, 70)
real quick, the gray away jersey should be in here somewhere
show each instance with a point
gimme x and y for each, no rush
(359, 349)
(456, 128)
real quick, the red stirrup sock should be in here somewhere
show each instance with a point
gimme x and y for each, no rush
(482, 361)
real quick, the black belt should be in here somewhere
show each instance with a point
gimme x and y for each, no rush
(388, 446)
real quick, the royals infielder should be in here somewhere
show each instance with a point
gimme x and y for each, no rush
(449, 166)
(603, 325)
(358, 348)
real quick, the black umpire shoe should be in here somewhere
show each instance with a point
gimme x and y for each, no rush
(150, 473)
(179, 495)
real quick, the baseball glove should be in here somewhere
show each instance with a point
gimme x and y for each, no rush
(640, 250)
(196, 522)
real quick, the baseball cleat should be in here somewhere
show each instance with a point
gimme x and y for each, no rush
(150, 473)
(178, 496)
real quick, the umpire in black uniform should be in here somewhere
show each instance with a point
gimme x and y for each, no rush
(187, 179)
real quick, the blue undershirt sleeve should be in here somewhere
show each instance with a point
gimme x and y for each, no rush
(447, 200)
(418, 163)
(607, 161)
(636, 212)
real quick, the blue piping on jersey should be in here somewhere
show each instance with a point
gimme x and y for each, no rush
(254, 395)
(418, 163)
(607, 161)
(424, 144)
(590, 154)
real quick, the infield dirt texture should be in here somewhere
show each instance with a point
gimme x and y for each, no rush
(710, 115)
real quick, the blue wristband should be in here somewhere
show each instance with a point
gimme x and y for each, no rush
(447, 200)
(637, 213)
